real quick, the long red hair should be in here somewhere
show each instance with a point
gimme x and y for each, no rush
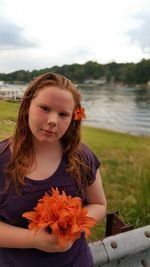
(22, 153)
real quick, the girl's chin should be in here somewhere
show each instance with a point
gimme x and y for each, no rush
(49, 138)
(46, 140)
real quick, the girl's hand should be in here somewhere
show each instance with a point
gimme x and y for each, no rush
(17, 237)
(48, 242)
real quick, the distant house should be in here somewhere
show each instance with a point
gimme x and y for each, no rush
(8, 93)
(1, 83)
(96, 81)
(148, 83)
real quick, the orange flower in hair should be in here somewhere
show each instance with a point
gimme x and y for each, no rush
(79, 114)
(63, 214)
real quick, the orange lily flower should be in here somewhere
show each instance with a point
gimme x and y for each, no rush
(63, 214)
(79, 114)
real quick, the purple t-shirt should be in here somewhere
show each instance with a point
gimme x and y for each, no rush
(12, 206)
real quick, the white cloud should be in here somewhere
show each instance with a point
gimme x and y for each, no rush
(44, 33)
(11, 36)
(140, 35)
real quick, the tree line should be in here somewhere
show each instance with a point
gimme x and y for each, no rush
(126, 73)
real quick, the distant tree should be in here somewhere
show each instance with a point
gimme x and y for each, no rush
(128, 73)
(112, 71)
(143, 71)
(3, 76)
(93, 70)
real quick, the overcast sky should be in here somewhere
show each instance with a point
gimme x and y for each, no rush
(37, 34)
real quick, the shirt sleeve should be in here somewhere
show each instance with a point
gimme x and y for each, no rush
(92, 161)
(3, 161)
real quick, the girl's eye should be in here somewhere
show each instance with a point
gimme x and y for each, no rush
(45, 109)
(63, 114)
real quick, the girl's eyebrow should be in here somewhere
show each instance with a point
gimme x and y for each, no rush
(43, 104)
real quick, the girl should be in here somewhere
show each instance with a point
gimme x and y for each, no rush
(44, 152)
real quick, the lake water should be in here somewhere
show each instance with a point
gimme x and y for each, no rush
(118, 108)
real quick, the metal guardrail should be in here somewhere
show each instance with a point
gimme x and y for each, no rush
(127, 249)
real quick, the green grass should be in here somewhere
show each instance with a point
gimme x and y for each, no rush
(125, 169)
(8, 114)
(8, 110)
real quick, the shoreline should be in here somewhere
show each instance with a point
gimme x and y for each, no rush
(96, 126)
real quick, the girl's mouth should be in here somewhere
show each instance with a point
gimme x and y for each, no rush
(49, 131)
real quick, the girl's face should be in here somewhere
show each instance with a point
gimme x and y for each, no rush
(50, 114)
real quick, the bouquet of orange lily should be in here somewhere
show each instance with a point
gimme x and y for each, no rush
(63, 214)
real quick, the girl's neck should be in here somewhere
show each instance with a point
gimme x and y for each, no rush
(44, 149)
(46, 161)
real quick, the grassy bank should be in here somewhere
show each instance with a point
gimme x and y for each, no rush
(8, 114)
(125, 168)
(125, 172)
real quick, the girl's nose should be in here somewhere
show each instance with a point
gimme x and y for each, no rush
(52, 118)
